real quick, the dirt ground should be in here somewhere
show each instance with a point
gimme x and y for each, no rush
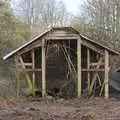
(92, 109)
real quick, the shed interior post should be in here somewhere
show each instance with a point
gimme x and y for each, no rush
(43, 69)
(106, 77)
(33, 73)
(79, 80)
(88, 66)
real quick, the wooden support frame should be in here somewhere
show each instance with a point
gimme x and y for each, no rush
(79, 80)
(26, 75)
(94, 76)
(43, 68)
(106, 77)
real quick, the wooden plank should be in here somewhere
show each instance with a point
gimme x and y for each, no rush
(88, 66)
(95, 64)
(63, 35)
(33, 74)
(43, 69)
(18, 77)
(79, 80)
(106, 79)
(30, 70)
(25, 64)
(91, 70)
(61, 38)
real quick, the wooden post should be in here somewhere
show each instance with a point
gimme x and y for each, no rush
(43, 69)
(33, 74)
(88, 66)
(17, 78)
(79, 80)
(106, 79)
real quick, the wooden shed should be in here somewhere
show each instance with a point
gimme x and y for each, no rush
(61, 57)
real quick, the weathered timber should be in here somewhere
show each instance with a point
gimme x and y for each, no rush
(95, 64)
(43, 68)
(61, 38)
(30, 70)
(25, 64)
(79, 80)
(17, 77)
(33, 74)
(92, 69)
(106, 79)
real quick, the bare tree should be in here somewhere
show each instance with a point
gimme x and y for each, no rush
(104, 19)
(42, 13)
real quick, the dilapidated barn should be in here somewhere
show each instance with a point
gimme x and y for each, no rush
(63, 61)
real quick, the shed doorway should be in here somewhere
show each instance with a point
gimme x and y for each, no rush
(61, 68)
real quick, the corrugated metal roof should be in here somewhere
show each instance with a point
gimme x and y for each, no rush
(42, 34)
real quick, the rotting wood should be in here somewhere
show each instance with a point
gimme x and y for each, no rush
(43, 68)
(26, 75)
(79, 80)
(106, 79)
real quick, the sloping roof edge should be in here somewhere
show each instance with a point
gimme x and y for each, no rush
(45, 32)
(99, 44)
(26, 44)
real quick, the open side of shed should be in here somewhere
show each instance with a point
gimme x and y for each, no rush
(63, 61)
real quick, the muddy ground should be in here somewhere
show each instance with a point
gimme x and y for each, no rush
(92, 109)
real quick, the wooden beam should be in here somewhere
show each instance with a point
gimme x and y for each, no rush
(25, 64)
(43, 68)
(92, 70)
(30, 70)
(106, 79)
(95, 64)
(79, 80)
(33, 74)
(17, 77)
(61, 38)
(88, 66)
